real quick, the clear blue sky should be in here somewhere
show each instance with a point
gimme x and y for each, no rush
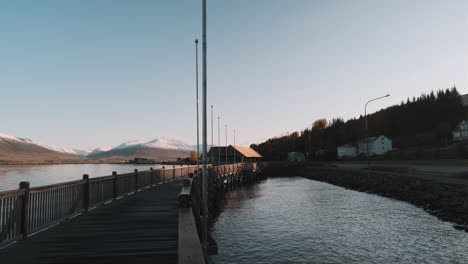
(96, 73)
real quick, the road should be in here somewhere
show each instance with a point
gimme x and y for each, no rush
(421, 168)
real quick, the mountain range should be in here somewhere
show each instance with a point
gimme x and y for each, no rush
(14, 150)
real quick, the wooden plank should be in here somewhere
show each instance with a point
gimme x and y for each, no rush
(142, 228)
(190, 250)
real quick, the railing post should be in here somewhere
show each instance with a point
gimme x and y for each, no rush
(86, 192)
(173, 172)
(114, 173)
(163, 176)
(24, 208)
(136, 180)
(151, 177)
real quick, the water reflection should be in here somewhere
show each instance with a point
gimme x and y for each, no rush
(296, 220)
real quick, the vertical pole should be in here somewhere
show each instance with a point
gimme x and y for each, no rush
(114, 173)
(24, 208)
(212, 154)
(151, 176)
(367, 138)
(205, 172)
(173, 172)
(219, 143)
(225, 130)
(136, 180)
(86, 192)
(163, 176)
(233, 150)
(196, 70)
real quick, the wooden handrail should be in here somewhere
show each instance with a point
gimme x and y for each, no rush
(189, 247)
(30, 210)
(9, 193)
(56, 185)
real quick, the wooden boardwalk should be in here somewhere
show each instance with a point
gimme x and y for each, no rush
(141, 228)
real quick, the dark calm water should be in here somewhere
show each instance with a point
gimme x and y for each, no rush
(37, 175)
(296, 220)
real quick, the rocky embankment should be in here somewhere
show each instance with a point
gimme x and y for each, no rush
(447, 201)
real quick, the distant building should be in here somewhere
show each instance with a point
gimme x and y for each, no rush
(232, 153)
(346, 151)
(464, 99)
(141, 161)
(296, 156)
(377, 145)
(461, 133)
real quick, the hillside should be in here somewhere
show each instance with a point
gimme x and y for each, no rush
(419, 123)
(157, 149)
(15, 150)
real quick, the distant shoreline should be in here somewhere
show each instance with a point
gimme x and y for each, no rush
(91, 163)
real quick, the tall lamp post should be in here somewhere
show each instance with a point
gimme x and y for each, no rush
(225, 130)
(233, 149)
(196, 78)
(367, 137)
(219, 143)
(212, 152)
(205, 171)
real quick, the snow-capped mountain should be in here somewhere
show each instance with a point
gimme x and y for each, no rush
(23, 150)
(73, 151)
(98, 151)
(158, 149)
(163, 143)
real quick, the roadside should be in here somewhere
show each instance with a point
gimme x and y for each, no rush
(445, 166)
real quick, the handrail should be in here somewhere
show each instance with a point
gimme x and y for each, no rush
(189, 246)
(32, 209)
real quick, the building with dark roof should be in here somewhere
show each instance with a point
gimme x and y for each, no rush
(232, 153)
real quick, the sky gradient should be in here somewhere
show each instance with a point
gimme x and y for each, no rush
(89, 74)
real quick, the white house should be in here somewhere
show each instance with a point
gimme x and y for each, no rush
(461, 133)
(464, 99)
(377, 145)
(346, 151)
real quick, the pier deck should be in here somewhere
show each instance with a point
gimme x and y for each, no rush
(141, 228)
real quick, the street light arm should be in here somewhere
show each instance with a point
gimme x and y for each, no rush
(374, 100)
(365, 122)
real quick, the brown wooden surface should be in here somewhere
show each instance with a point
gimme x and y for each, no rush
(190, 250)
(141, 228)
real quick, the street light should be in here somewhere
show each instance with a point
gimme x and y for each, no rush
(367, 138)
(233, 150)
(219, 143)
(211, 136)
(196, 73)
(205, 171)
(225, 130)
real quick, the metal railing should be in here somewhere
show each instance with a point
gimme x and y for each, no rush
(26, 211)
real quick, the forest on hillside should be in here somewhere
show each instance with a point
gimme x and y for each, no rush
(422, 122)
